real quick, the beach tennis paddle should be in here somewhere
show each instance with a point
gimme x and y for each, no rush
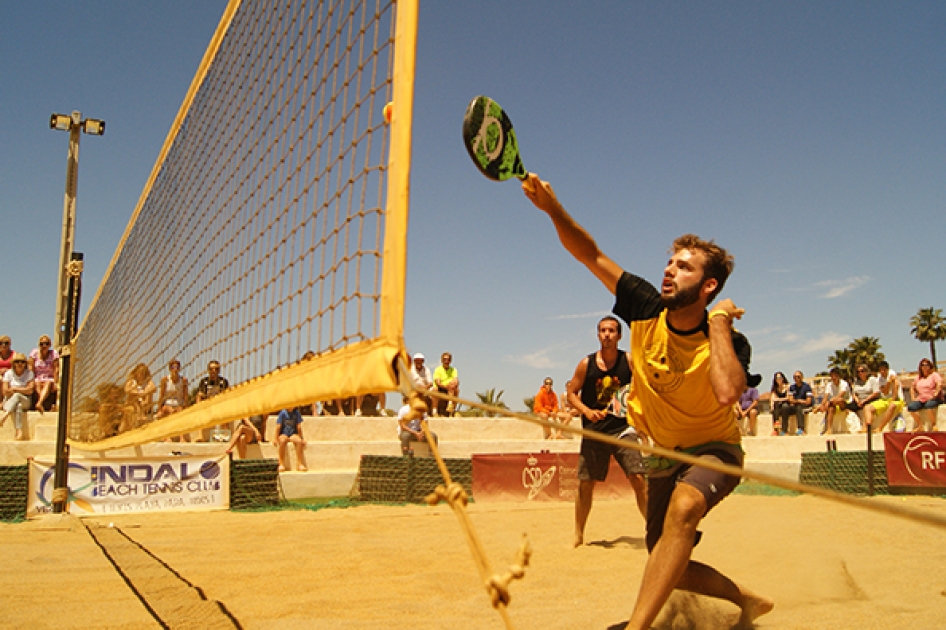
(491, 141)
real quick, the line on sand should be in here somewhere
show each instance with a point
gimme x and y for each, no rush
(172, 600)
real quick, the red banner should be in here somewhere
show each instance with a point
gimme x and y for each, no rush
(916, 459)
(539, 477)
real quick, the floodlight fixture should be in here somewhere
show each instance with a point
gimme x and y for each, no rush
(93, 127)
(60, 122)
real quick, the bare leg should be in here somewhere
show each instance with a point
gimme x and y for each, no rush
(829, 421)
(282, 440)
(889, 415)
(300, 453)
(753, 422)
(669, 566)
(586, 492)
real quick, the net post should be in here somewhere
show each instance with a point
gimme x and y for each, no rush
(61, 471)
(870, 460)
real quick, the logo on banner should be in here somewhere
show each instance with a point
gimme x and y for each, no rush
(534, 480)
(45, 486)
(929, 459)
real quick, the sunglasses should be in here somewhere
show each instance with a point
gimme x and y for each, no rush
(44, 343)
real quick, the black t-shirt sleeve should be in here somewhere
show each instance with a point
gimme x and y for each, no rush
(636, 299)
(743, 350)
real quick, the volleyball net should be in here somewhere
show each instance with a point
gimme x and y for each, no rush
(273, 226)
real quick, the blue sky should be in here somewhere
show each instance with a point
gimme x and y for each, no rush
(806, 137)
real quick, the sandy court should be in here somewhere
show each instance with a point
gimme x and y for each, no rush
(825, 565)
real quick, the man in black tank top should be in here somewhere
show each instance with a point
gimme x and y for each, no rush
(598, 378)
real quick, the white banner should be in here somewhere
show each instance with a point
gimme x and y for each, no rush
(153, 484)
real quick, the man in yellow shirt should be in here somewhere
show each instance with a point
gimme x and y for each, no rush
(689, 367)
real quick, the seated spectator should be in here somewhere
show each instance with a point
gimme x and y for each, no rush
(44, 363)
(927, 392)
(800, 398)
(890, 403)
(747, 411)
(18, 386)
(172, 395)
(421, 377)
(247, 431)
(139, 396)
(289, 429)
(6, 355)
(546, 407)
(411, 430)
(339, 407)
(864, 391)
(371, 405)
(837, 395)
(207, 388)
(447, 381)
(778, 397)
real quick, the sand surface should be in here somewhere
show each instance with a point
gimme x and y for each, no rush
(825, 565)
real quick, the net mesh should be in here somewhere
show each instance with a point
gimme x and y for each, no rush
(407, 479)
(254, 485)
(264, 232)
(14, 486)
(843, 471)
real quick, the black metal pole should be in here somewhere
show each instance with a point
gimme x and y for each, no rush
(870, 460)
(61, 478)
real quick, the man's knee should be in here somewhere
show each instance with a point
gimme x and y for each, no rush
(687, 507)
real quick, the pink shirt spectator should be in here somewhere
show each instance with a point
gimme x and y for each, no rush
(43, 368)
(926, 387)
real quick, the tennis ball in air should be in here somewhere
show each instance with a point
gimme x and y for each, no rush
(387, 111)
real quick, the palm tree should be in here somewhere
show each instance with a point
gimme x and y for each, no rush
(929, 325)
(529, 403)
(866, 350)
(493, 399)
(842, 360)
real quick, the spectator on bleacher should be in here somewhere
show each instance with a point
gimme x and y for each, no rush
(778, 397)
(800, 398)
(890, 403)
(172, 395)
(208, 387)
(864, 390)
(447, 381)
(139, 394)
(747, 411)
(927, 393)
(371, 405)
(289, 429)
(6, 355)
(246, 432)
(44, 363)
(545, 405)
(411, 430)
(339, 407)
(213, 383)
(18, 386)
(837, 395)
(421, 378)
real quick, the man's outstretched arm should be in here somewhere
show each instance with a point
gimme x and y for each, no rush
(576, 240)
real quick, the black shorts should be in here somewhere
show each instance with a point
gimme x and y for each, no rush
(714, 487)
(594, 459)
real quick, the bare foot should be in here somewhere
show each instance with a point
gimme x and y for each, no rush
(282, 468)
(579, 539)
(302, 468)
(39, 408)
(755, 607)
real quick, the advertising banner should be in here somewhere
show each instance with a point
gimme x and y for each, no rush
(539, 477)
(916, 459)
(109, 486)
